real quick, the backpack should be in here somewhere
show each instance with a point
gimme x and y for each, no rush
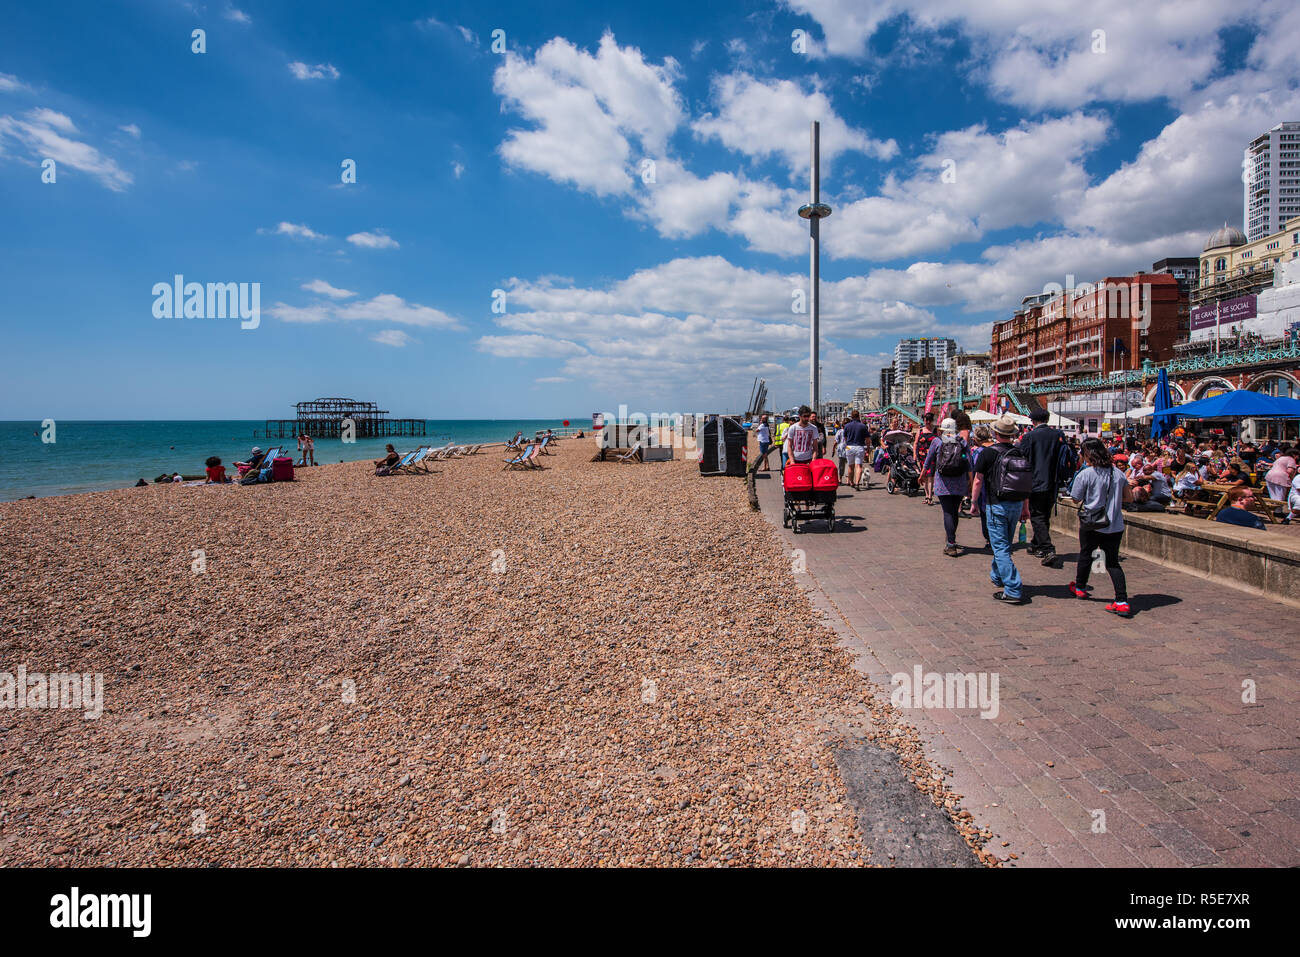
(1066, 464)
(1012, 477)
(951, 460)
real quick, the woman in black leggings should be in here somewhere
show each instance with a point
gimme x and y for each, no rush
(1102, 489)
(951, 475)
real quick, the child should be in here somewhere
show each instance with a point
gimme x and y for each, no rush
(215, 470)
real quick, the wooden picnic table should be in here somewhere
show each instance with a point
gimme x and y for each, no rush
(1210, 497)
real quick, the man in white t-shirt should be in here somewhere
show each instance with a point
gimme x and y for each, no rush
(803, 439)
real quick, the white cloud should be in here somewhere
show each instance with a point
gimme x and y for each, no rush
(457, 168)
(548, 379)
(131, 130)
(762, 119)
(652, 332)
(588, 112)
(1188, 177)
(376, 240)
(321, 71)
(319, 312)
(387, 307)
(466, 34)
(392, 337)
(323, 288)
(296, 230)
(10, 83)
(972, 181)
(47, 134)
(52, 119)
(238, 16)
(1041, 54)
(529, 347)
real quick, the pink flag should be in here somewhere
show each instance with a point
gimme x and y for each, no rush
(943, 413)
(993, 399)
(929, 400)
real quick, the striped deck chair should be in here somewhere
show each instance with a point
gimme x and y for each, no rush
(420, 462)
(519, 461)
(404, 461)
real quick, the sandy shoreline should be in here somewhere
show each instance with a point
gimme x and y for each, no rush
(582, 665)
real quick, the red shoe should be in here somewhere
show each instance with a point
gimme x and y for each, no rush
(1120, 608)
(1076, 591)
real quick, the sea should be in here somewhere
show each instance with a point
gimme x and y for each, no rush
(94, 456)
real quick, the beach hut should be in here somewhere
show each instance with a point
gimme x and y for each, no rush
(724, 447)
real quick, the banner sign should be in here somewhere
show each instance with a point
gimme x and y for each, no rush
(1230, 310)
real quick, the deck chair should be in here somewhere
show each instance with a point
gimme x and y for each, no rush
(267, 459)
(631, 455)
(533, 459)
(401, 463)
(416, 462)
(519, 461)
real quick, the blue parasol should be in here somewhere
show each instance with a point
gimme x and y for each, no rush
(1162, 417)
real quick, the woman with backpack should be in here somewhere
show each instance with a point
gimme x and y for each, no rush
(947, 461)
(1101, 491)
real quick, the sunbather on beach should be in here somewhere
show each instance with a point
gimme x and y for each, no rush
(216, 471)
(254, 460)
(385, 465)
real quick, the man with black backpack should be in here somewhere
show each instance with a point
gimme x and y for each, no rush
(1004, 474)
(1042, 444)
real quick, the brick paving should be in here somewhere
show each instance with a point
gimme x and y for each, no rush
(1142, 719)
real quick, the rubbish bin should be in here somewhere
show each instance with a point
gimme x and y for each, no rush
(724, 447)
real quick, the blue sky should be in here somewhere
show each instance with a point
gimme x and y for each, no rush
(524, 169)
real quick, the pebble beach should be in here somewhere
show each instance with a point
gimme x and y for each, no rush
(592, 664)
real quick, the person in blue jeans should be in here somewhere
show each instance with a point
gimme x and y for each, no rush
(1001, 516)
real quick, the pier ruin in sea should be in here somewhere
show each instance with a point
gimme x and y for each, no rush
(326, 419)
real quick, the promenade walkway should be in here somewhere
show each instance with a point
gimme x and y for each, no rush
(1118, 742)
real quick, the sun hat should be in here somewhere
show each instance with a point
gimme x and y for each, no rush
(1005, 425)
(256, 449)
(948, 425)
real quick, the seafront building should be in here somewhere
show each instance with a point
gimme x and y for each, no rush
(1092, 329)
(909, 351)
(865, 398)
(1271, 174)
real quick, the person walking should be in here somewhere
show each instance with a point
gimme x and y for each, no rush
(782, 427)
(856, 440)
(921, 444)
(1042, 444)
(307, 448)
(947, 461)
(803, 439)
(841, 454)
(981, 438)
(764, 444)
(1101, 491)
(1003, 475)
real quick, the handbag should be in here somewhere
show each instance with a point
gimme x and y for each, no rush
(1095, 518)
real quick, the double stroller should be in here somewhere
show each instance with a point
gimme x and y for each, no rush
(904, 473)
(810, 492)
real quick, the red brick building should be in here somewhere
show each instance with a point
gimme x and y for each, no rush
(1090, 329)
